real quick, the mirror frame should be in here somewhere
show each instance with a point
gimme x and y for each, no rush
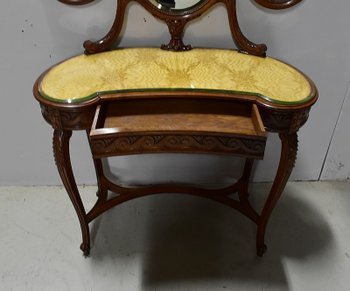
(271, 4)
(177, 19)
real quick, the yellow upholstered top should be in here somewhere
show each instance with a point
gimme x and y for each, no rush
(83, 77)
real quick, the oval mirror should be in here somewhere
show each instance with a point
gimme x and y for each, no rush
(174, 4)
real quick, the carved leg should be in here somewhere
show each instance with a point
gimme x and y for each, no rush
(101, 181)
(61, 152)
(244, 180)
(286, 164)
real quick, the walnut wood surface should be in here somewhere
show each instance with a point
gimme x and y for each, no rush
(182, 116)
(180, 122)
(177, 126)
(176, 22)
(218, 110)
(285, 167)
(272, 4)
(62, 158)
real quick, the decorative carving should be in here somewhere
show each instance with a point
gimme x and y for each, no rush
(298, 119)
(60, 119)
(57, 148)
(78, 120)
(184, 143)
(176, 27)
(292, 151)
(243, 44)
(176, 21)
(51, 115)
(276, 120)
(107, 42)
(284, 121)
(272, 4)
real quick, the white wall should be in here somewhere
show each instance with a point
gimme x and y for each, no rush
(337, 164)
(37, 33)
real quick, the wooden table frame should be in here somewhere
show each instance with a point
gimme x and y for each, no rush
(284, 119)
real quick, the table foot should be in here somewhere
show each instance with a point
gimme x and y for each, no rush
(261, 250)
(86, 249)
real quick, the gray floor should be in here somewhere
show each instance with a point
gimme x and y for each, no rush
(176, 242)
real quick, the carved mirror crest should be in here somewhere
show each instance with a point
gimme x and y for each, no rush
(176, 14)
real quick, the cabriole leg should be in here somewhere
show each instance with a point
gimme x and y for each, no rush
(102, 184)
(244, 180)
(286, 164)
(62, 157)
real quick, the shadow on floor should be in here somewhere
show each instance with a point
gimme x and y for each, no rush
(184, 239)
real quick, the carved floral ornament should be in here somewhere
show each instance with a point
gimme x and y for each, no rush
(177, 19)
(272, 4)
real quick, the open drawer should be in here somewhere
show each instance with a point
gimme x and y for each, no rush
(177, 125)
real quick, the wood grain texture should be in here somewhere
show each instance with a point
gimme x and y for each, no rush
(62, 158)
(176, 21)
(182, 116)
(177, 126)
(139, 122)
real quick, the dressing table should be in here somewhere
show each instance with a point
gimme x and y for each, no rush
(175, 99)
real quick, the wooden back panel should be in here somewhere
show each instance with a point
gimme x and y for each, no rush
(176, 21)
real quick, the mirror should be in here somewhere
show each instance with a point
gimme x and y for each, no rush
(277, 4)
(174, 4)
